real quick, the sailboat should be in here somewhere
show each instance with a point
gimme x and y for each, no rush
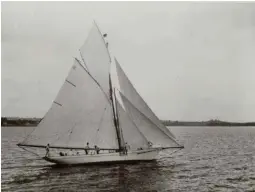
(88, 120)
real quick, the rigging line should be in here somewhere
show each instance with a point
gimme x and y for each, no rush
(26, 137)
(82, 58)
(171, 154)
(82, 66)
(148, 119)
(175, 151)
(30, 151)
(94, 81)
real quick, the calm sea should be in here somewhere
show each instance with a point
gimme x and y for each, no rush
(214, 159)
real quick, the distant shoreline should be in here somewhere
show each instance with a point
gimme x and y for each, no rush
(206, 123)
(20, 122)
(28, 122)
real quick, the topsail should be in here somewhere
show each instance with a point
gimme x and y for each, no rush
(96, 57)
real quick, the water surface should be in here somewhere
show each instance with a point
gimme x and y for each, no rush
(214, 159)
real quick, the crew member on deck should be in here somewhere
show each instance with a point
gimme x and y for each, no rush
(97, 149)
(126, 148)
(47, 150)
(87, 148)
(150, 144)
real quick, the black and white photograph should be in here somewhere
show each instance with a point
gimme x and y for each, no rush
(128, 96)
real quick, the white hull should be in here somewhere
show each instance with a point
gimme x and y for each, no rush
(144, 155)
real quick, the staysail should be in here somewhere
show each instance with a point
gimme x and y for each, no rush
(96, 57)
(133, 96)
(132, 135)
(81, 113)
(147, 127)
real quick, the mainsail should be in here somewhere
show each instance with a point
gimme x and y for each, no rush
(147, 127)
(132, 135)
(133, 96)
(81, 113)
(96, 57)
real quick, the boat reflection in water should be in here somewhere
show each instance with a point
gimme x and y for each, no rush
(143, 176)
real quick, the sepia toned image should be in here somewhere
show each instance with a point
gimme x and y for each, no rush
(128, 96)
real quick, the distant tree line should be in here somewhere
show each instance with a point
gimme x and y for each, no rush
(205, 123)
(16, 121)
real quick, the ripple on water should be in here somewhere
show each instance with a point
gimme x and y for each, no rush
(214, 159)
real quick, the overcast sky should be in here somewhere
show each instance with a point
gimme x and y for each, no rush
(190, 61)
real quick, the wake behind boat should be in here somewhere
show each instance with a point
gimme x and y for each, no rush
(87, 119)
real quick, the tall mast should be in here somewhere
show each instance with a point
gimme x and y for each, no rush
(115, 116)
(118, 122)
(112, 97)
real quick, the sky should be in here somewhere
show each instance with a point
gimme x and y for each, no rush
(189, 61)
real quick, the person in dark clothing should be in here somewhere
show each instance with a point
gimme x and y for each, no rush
(97, 149)
(47, 150)
(87, 148)
(150, 144)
